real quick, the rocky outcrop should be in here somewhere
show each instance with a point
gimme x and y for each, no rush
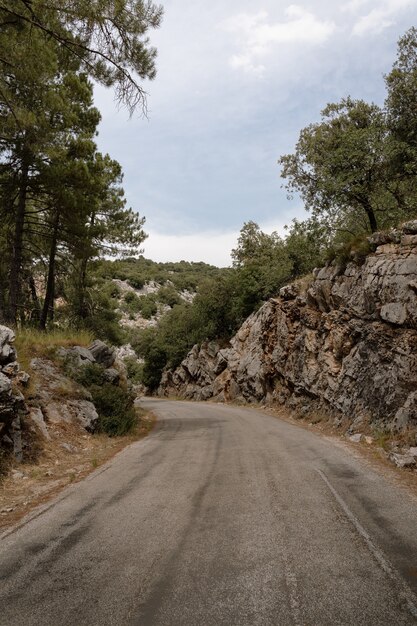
(12, 404)
(59, 399)
(347, 342)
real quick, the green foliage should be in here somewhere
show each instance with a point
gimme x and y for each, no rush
(137, 282)
(107, 39)
(113, 403)
(168, 295)
(148, 306)
(134, 369)
(94, 311)
(89, 375)
(115, 407)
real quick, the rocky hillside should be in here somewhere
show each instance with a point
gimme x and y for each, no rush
(345, 342)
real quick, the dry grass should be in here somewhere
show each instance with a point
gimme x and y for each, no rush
(31, 343)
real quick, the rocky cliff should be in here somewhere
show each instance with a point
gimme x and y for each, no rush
(345, 342)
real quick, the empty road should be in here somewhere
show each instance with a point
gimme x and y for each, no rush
(222, 516)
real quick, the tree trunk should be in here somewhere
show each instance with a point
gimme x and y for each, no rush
(17, 253)
(37, 309)
(371, 216)
(50, 283)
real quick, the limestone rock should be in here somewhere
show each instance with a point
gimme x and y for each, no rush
(36, 415)
(102, 353)
(402, 460)
(410, 228)
(111, 375)
(350, 346)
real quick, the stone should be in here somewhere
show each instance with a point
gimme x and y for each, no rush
(69, 447)
(413, 451)
(80, 354)
(410, 228)
(125, 352)
(289, 292)
(22, 378)
(356, 438)
(77, 411)
(102, 353)
(7, 351)
(409, 240)
(379, 239)
(394, 312)
(111, 375)
(402, 460)
(369, 440)
(11, 369)
(37, 418)
(5, 385)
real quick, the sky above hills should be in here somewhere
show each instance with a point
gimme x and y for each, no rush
(236, 83)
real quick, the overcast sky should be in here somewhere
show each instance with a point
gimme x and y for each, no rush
(236, 83)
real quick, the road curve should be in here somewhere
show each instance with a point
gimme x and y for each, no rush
(222, 516)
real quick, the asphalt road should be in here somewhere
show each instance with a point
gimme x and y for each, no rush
(222, 516)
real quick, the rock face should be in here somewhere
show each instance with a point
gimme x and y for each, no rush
(348, 342)
(12, 405)
(60, 399)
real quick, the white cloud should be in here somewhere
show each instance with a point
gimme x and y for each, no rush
(380, 17)
(212, 247)
(258, 37)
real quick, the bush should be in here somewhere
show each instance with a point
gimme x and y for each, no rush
(168, 295)
(115, 407)
(114, 404)
(137, 282)
(89, 375)
(134, 369)
(148, 306)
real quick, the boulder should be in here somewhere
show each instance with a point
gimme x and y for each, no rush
(36, 416)
(7, 351)
(111, 375)
(402, 460)
(102, 353)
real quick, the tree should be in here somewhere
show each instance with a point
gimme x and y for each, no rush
(262, 265)
(401, 105)
(106, 38)
(340, 165)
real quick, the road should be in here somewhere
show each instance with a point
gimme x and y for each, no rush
(222, 516)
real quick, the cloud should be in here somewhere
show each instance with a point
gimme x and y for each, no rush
(258, 37)
(379, 18)
(212, 247)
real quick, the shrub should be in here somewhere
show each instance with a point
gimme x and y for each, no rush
(134, 369)
(168, 295)
(148, 306)
(114, 404)
(89, 375)
(115, 407)
(137, 282)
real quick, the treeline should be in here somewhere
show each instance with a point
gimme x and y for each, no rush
(356, 172)
(262, 263)
(61, 201)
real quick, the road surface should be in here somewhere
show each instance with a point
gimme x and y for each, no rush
(222, 516)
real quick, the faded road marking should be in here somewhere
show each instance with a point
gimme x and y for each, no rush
(405, 592)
